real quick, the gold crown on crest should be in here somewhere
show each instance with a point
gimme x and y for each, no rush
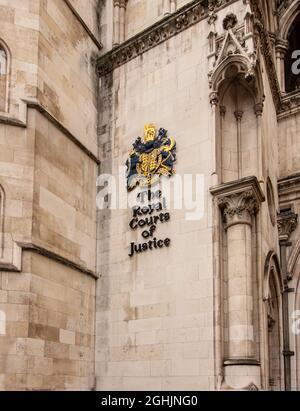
(149, 132)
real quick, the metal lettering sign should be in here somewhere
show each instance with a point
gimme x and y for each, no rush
(148, 161)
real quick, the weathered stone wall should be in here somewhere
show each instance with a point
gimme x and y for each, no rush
(64, 215)
(49, 339)
(48, 169)
(155, 310)
(67, 82)
(143, 13)
(156, 322)
(289, 143)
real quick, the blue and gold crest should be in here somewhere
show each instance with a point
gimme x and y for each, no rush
(151, 158)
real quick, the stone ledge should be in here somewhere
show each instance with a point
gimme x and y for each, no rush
(54, 256)
(11, 121)
(241, 361)
(289, 184)
(290, 104)
(11, 255)
(239, 186)
(35, 105)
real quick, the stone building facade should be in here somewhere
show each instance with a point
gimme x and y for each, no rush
(219, 308)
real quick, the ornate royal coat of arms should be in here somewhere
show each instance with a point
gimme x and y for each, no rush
(151, 158)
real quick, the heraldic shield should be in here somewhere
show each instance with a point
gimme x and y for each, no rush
(151, 158)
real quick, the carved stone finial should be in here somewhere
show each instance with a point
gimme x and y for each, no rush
(230, 21)
(212, 17)
(252, 387)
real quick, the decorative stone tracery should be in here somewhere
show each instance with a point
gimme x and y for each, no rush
(169, 26)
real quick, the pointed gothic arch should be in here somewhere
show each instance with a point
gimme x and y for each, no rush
(288, 18)
(5, 59)
(272, 291)
(239, 87)
(289, 35)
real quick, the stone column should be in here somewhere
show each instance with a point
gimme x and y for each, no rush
(173, 6)
(258, 109)
(116, 38)
(167, 6)
(214, 101)
(238, 117)
(287, 223)
(238, 211)
(119, 21)
(239, 202)
(281, 47)
(122, 19)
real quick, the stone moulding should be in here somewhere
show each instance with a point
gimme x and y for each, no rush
(283, 5)
(289, 185)
(35, 105)
(267, 53)
(169, 26)
(239, 200)
(285, 104)
(239, 186)
(290, 104)
(35, 248)
(84, 25)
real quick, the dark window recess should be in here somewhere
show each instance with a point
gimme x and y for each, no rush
(292, 81)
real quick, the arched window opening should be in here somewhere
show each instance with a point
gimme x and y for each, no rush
(292, 59)
(3, 78)
(238, 129)
(274, 337)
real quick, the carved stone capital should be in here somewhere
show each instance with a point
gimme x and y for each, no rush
(214, 98)
(287, 223)
(123, 3)
(239, 208)
(258, 109)
(222, 111)
(238, 115)
(281, 46)
(239, 200)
